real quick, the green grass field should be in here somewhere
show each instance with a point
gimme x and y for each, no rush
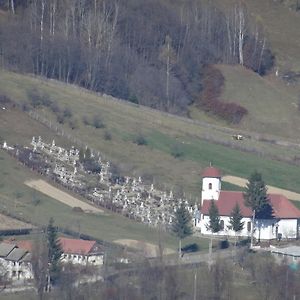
(19, 200)
(166, 137)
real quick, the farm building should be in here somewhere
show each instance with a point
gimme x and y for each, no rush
(284, 224)
(81, 252)
(15, 262)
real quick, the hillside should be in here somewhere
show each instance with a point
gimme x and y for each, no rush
(175, 149)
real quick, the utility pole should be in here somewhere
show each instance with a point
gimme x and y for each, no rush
(252, 228)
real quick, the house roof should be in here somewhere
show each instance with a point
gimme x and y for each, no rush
(282, 207)
(16, 254)
(6, 248)
(76, 246)
(211, 172)
(23, 244)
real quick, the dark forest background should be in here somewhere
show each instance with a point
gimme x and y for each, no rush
(159, 53)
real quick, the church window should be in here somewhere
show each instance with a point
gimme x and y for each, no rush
(210, 186)
(222, 224)
(249, 226)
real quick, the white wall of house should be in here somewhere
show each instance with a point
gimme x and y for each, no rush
(95, 260)
(264, 229)
(16, 270)
(211, 188)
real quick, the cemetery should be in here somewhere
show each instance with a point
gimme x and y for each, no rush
(87, 174)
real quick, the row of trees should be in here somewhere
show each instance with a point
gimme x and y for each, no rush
(255, 197)
(153, 53)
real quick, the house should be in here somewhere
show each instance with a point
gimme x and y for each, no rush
(82, 252)
(284, 224)
(15, 263)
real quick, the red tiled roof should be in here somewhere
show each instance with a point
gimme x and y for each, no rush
(282, 207)
(76, 246)
(211, 172)
(226, 203)
(25, 244)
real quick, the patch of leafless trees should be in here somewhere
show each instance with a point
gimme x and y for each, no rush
(148, 52)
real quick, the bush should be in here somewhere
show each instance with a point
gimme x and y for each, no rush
(73, 123)
(107, 136)
(223, 244)
(177, 151)
(60, 119)
(86, 121)
(140, 140)
(67, 112)
(191, 248)
(54, 107)
(97, 122)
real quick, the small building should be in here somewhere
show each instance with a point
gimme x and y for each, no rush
(82, 252)
(284, 224)
(15, 262)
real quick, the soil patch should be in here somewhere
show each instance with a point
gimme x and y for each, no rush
(271, 189)
(49, 190)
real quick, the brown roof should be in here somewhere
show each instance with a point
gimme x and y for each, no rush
(282, 207)
(23, 244)
(211, 172)
(76, 246)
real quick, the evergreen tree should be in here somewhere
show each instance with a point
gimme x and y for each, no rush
(256, 198)
(54, 252)
(182, 224)
(214, 218)
(235, 220)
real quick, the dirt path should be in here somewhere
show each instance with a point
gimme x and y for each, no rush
(49, 190)
(150, 250)
(271, 189)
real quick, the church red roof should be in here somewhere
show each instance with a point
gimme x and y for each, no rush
(211, 172)
(282, 207)
(76, 246)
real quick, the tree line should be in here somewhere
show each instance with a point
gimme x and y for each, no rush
(154, 53)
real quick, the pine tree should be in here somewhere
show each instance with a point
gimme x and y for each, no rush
(256, 198)
(54, 252)
(235, 220)
(213, 225)
(182, 224)
(214, 218)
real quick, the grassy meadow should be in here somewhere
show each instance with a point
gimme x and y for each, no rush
(175, 151)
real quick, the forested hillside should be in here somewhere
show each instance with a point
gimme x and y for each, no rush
(156, 53)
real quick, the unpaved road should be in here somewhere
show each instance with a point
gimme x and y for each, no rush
(49, 190)
(150, 250)
(271, 189)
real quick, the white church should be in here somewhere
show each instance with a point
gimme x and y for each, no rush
(284, 224)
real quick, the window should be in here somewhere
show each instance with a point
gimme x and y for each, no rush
(249, 226)
(210, 186)
(222, 224)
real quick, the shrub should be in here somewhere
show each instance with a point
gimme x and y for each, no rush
(73, 123)
(54, 107)
(60, 119)
(86, 121)
(140, 140)
(67, 112)
(97, 122)
(107, 136)
(177, 151)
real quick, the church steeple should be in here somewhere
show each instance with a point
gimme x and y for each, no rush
(211, 183)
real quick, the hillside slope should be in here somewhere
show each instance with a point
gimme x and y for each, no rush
(175, 151)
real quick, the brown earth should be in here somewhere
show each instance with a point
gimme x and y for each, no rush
(49, 190)
(271, 189)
